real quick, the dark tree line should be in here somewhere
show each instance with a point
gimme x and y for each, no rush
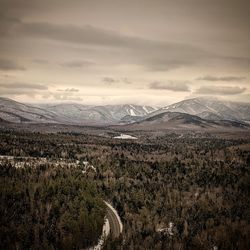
(46, 207)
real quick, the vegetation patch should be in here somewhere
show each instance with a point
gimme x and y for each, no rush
(48, 207)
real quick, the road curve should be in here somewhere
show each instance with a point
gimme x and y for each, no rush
(115, 223)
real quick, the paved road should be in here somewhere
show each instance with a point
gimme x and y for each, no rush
(114, 221)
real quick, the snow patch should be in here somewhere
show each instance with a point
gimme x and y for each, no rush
(124, 136)
(168, 230)
(105, 234)
(87, 167)
(145, 109)
(132, 113)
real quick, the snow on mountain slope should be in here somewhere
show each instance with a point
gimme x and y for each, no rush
(120, 111)
(87, 114)
(81, 114)
(178, 120)
(130, 119)
(132, 113)
(13, 111)
(210, 108)
(74, 113)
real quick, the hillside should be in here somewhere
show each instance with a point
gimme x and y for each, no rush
(210, 108)
(188, 114)
(17, 112)
(69, 113)
(177, 120)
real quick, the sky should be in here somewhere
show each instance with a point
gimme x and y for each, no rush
(153, 52)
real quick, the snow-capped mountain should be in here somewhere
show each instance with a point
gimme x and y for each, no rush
(211, 109)
(81, 114)
(120, 111)
(107, 114)
(69, 113)
(78, 114)
(17, 112)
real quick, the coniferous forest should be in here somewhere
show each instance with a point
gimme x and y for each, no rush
(171, 191)
(48, 207)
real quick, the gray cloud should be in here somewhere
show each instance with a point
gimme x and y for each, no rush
(66, 96)
(153, 54)
(220, 90)
(154, 39)
(177, 86)
(72, 90)
(126, 80)
(165, 63)
(109, 80)
(222, 78)
(41, 61)
(76, 64)
(26, 86)
(6, 64)
(9, 89)
(68, 90)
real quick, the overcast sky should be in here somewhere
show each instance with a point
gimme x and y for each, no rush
(152, 52)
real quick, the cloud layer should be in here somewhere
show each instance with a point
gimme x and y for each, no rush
(119, 50)
(176, 86)
(221, 78)
(220, 90)
(7, 65)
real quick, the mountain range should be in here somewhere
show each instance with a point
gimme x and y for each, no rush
(191, 113)
(69, 113)
(211, 109)
(177, 120)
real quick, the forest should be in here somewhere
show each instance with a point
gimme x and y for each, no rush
(48, 207)
(171, 191)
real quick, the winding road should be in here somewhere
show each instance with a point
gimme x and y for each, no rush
(115, 223)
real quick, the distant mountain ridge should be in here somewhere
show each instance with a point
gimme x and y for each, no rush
(17, 112)
(177, 120)
(210, 108)
(107, 114)
(190, 113)
(69, 113)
